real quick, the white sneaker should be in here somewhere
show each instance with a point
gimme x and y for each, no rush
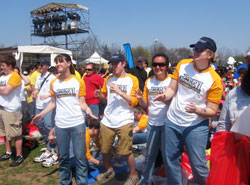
(42, 157)
(43, 149)
(50, 161)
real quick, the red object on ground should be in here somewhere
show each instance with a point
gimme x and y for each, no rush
(230, 163)
(161, 172)
(2, 141)
(186, 168)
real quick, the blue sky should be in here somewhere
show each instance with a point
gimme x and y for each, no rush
(175, 23)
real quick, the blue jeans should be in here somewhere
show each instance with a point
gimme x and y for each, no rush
(97, 155)
(95, 111)
(63, 137)
(47, 123)
(140, 138)
(155, 140)
(195, 140)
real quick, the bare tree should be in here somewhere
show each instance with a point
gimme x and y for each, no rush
(115, 49)
(141, 51)
(157, 47)
(89, 46)
(106, 52)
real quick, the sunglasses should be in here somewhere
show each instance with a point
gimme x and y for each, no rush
(154, 64)
(89, 69)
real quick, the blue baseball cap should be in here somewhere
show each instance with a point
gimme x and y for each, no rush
(204, 43)
(45, 62)
(117, 58)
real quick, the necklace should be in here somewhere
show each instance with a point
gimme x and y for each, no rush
(200, 70)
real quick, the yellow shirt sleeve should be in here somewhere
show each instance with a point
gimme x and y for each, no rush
(52, 92)
(88, 139)
(145, 90)
(175, 74)
(104, 87)
(33, 77)
(215, 92)
(134, 88)
(143, 122)
(15, 80)
(82, 90)
(77, 74)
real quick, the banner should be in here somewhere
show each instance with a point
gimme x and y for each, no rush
(129, 55)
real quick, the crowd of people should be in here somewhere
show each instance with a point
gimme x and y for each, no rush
(170, 109)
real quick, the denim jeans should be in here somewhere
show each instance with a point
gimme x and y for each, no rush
(47, 123)
(97, 155)
(140, 138)
(155, 140)
(95, 111)
(195, 140)
(63, 137)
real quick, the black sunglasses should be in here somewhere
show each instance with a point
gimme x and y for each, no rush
(154, 64)
(89, 69)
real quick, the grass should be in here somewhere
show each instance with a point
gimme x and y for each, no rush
(28, 172)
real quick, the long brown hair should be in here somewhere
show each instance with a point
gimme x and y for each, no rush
(66, 57)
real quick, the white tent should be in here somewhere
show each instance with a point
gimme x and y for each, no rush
(40, 49)
(20, 51)
(231, 61)
(96, 59)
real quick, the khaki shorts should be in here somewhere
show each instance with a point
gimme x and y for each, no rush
(10, 124)
(125, 136)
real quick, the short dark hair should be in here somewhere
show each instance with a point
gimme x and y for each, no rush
(140, 110)
(242, 71)
(31, 67)
(221, 71)
(161, 55)
(94, 123)
(9, 60)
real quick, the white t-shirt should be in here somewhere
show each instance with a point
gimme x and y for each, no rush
(67, 92)
(193, 86)
(11, 102)
(118, 112)
(23, 92)
(45, 90)
(156, 109)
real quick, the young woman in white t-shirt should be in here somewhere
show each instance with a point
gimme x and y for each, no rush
(196, 91)
(68, 97)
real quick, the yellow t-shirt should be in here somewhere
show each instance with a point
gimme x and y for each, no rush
(88, 139)
(143, 122)
(29, 97)
(77, 74)
(33, 77)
